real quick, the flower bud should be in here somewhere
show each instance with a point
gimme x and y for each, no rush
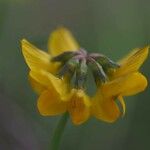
(98, 72)
(106, 62)
(64, 56)
(68, 68)
(81, 74)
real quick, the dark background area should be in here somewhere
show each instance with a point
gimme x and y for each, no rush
(112, 27)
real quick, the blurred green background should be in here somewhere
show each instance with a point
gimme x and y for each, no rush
(112, 27)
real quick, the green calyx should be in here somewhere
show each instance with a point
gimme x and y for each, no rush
(77, 65)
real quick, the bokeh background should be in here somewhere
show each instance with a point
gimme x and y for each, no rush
(112, 27)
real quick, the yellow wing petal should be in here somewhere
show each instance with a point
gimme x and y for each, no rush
(38, 87)
(105, 109)
(121, 100)
(125, 85)
(49, 103)
(130, 54)
(61, 40)
(51, 82)
(132, 62)
(37, 59)
(79, 107)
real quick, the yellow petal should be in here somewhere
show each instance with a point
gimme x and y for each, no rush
(61, 40)
(49, 103)
(132, 62)
(37, 59)
(105, 109)
(51, 82)
(79, 107)
(125, 85)
(38, 87)
(121, 100)
(130, 54)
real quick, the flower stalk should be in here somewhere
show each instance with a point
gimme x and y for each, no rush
(56, 139)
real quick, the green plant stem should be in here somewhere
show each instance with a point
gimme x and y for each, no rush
(55, 142)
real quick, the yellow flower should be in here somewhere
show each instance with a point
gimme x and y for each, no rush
(57, 95)
(124, 81)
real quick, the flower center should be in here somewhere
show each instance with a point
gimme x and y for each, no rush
(77, 65)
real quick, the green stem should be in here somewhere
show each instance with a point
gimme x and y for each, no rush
(55, 143)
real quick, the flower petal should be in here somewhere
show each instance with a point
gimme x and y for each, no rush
(61, 40)
(49, 103)
(79, 107)
(130, 54)
(37, 59)
(125, 85)
(132, 62)
(121, 100)
(38, 87)
(105, 109)
(51, 82)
